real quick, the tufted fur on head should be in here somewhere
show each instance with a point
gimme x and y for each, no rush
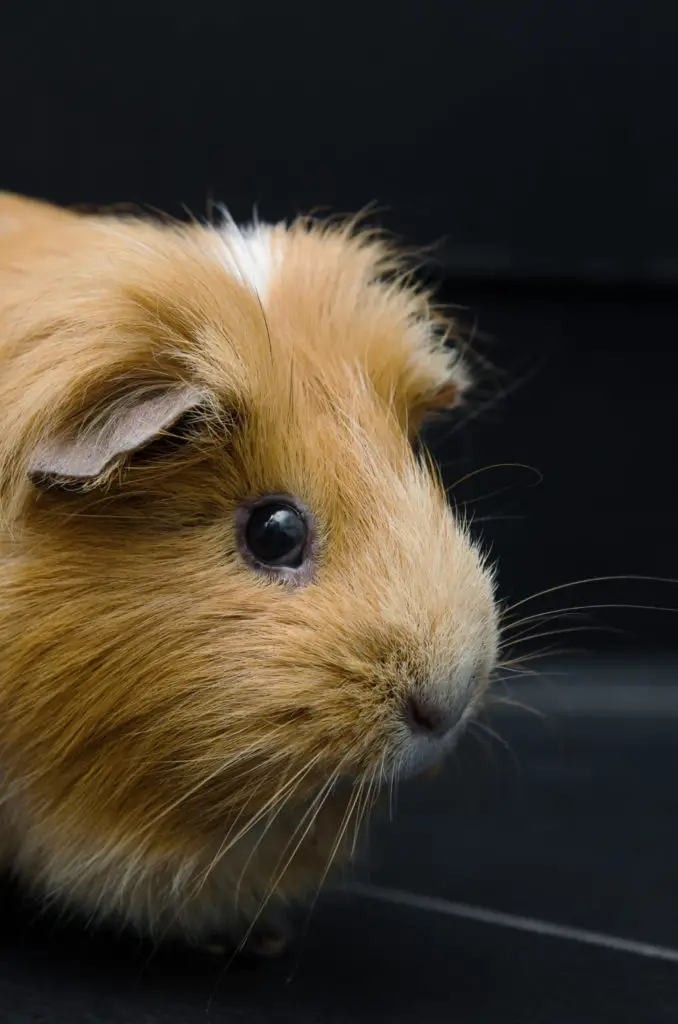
(183, 738)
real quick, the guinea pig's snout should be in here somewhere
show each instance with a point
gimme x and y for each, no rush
(431, 716)
(437, 710)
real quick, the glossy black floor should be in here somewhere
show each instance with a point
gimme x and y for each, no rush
(574, 823)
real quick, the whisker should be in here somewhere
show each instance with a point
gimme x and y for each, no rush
(496, 465)
(546, 652)
(514, 629)
(598, 607)
(528, 637)
(511, 702)
(494, 735)
(362, 798)
(366, 805)
(345, 820)
(497, 518)
(391, 788)
(219, 770)
(280, 875)
(517, 671)
(271, 822)
(592, 579)
(269, 804)
(460, 507)
(337, 843)
(230, 841)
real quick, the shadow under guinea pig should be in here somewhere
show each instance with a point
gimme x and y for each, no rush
(352, 957)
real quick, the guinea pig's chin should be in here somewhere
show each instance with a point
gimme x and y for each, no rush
(420, 753)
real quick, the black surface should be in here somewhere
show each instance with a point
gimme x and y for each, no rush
(578, 825)
(362, 963)
(535, 139)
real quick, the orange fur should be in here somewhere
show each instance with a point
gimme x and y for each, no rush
(170, 722)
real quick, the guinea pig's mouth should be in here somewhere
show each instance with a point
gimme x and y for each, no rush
(408, 753)
(422, 751)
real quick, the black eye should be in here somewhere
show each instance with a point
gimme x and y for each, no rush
(276, 535)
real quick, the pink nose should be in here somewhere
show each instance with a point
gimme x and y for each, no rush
(427, 716)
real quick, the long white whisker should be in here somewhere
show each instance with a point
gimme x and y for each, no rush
(592, 579)
(529, 637)
(496, 465)
(281, 873)
(269, 824)
(595, 608)
(219, 770)
(337, 843)
(229, 841)
(289, 786)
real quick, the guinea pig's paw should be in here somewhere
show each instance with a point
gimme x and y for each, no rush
(215, 948)
(268, 943)
(265, 942)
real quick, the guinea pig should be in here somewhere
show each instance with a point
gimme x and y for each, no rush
(235, 604)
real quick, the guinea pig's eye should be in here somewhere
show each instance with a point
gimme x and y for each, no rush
(276, 534)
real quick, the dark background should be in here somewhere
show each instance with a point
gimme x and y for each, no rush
(535, 144)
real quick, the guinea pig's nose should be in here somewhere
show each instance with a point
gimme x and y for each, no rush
(431, 717)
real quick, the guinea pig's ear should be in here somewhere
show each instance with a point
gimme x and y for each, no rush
(81, 456)
(443, 390)
(446, 396)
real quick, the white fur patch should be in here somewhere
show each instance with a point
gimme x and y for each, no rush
(249, 256)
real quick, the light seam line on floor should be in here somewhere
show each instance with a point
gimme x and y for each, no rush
(503, 920)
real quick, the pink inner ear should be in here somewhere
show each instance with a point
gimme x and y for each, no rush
(123, 430)
(446, 396)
